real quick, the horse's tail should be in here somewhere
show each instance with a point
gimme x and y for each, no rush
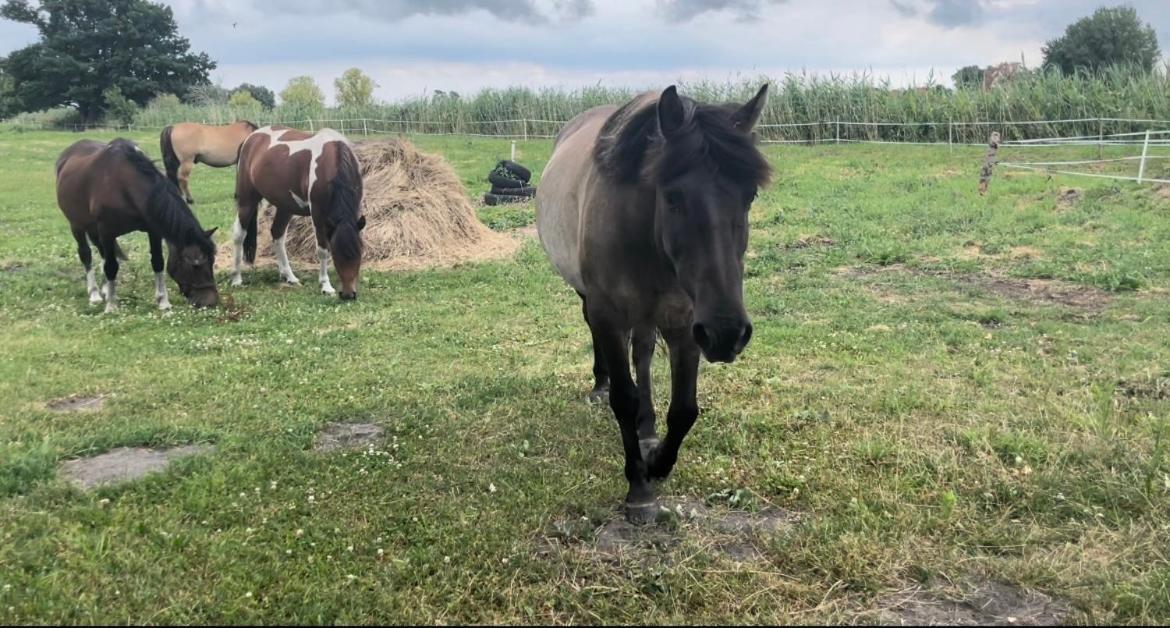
(250, 231)
(170, 158)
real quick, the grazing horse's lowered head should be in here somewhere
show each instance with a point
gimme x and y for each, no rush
(703, 164)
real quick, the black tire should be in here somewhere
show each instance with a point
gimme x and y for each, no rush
(502, 199)
(525, 192)
(500, 181)
(524, 174)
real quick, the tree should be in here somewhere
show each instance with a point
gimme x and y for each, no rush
(118, 107)
(354, 89)
(90, 46)
(9, 105)
(302, 98)
(208, 94)
(262, 94)
(1111, 36)
(243, 99)
(969, 77)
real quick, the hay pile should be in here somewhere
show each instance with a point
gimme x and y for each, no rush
(418, 215)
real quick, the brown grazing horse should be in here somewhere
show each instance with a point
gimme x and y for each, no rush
(107, 190)
(188, 143)
(643, 210)
(315, 175)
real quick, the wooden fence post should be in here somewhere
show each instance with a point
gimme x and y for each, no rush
(1145, 151)
(989, 162)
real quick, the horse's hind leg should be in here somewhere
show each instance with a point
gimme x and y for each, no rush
(279, 231)
(643, 345)
(160, 282)
(600, 390)
(185, 169)
(85, 254)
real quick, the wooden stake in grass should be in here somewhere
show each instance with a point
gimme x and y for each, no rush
(989, 162)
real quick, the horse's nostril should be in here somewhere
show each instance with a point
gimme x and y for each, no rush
(701, 336)
(745, 337)
(348, 296)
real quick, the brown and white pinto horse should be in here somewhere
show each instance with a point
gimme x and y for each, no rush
(186, 144)
(315, 175)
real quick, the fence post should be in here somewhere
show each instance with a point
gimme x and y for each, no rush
(951, 136)
(1100, 137)
(311, 130)
(1145, 150)
(525, 129)
(838, 123)
(513, 157)
(365, 129)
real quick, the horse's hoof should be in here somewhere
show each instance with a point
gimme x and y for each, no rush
(648, 445)
(165, 306)
(642, 513)
(237, 282)
(111, 308)
(95, 299)
(597, 396)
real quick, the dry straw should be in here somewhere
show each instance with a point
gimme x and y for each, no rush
(418, 215)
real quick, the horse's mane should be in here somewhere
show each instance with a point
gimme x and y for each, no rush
(631, 148)
(345, 197)
(165, 209)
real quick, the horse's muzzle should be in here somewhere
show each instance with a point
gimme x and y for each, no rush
(722, 340)
(348, 296)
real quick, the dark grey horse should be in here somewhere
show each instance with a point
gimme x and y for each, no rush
(643, 210)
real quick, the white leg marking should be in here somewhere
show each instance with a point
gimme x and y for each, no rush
(91, 287)
(282, 264)
(323, 257)
(111, 296)
(238, 236)
(160, 292)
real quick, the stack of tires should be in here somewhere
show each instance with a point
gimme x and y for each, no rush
(509, 184)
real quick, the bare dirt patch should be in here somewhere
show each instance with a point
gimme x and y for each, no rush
(347, 436)
(77, 403)
(1036, 291)
(810, 241)
(11, 266)
(1067, 198)
(975, 602)
(124, 464)
(736, 535)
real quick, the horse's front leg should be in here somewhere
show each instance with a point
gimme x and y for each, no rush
(643, 347)
(684, 405)
(323, 258)
(160, 283)
(641, 505)
(110, 253)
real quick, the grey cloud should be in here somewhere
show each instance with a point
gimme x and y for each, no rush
(945, 13)
(686, 10)
(397, 10)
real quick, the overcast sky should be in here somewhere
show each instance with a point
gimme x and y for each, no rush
(411, 47)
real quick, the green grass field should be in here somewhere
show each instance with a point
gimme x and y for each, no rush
(943, 389)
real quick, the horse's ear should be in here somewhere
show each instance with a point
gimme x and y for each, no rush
(361, 223)
(671, 113)
(748, 115)
(210, 231)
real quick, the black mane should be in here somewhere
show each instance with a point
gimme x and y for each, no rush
(345, 197)
(630, 147)
(165, 210)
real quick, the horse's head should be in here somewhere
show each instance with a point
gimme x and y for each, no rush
(707, 172)
(192, 267)
(345, 243)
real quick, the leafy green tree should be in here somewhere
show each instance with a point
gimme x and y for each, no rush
(9, 105)
(1111, 36)
(355, 90)
(118, 107)
(90, 46)
(243, 101)
(262, 94)
(301, 98)
(969, 77)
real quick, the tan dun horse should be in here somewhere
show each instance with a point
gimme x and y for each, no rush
(315, 175)
(643, 210)
(189, 143)
(107, 190)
